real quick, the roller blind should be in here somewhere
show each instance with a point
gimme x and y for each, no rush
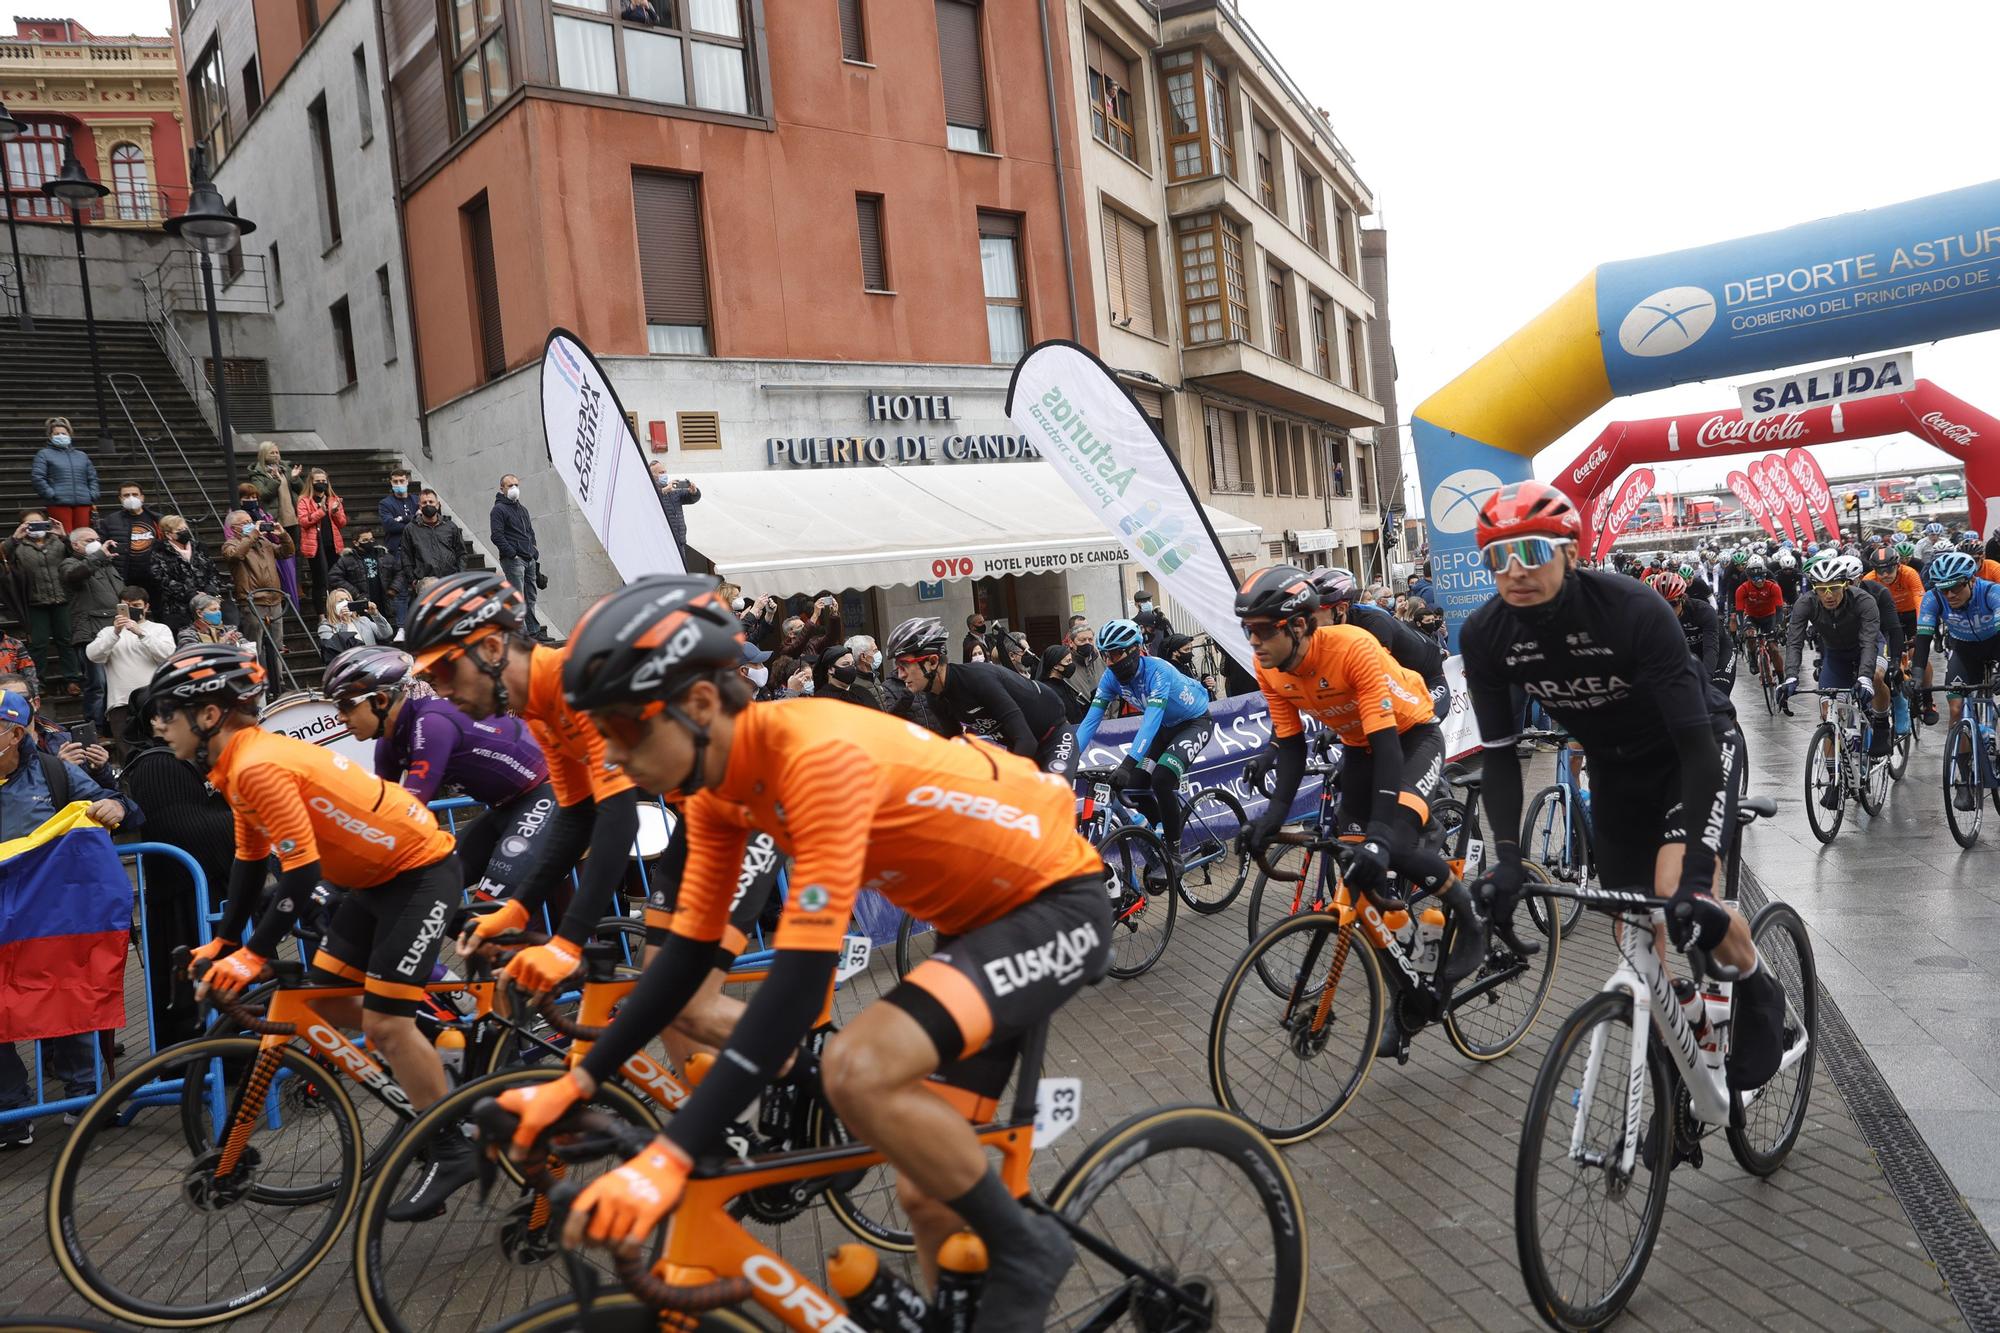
(667, 210)
(958, 58)
(868, 221)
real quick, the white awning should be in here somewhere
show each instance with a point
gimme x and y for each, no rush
(783, 532)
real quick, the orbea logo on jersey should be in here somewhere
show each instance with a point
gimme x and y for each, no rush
(1667, 322)
(359, 828)
(976, 807)
(1455, 503)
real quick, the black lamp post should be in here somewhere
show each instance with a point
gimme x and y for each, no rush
(212, 229)
(11, 128)
(75, 188)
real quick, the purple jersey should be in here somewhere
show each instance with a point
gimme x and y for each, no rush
(434, 745)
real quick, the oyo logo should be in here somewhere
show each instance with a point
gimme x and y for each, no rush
(1724, 429)
(1590, 464)
(1951, 430)
(1454, 505)
(1667, 321)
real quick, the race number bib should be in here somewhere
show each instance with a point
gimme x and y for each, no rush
(1058, 1103)
(854, 954)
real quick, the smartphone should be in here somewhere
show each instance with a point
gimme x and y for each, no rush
(83, 733)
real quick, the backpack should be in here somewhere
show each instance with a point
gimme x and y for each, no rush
(56, 773)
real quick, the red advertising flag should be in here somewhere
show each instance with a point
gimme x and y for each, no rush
(1746, 491)
(1774, 501)
(1806, 472)
(1795, 499)
(1631, 494)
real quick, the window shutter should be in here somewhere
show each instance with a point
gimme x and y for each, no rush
(853, 46)
(999, 224)
(958, 58)
(1224, 457)
(868, 221)
(1135, 273)
(1151, 402)
(699, 430)
(486, 290)
(668, 212)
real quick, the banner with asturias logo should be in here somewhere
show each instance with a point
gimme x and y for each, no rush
(1753, 501)
(592, 448)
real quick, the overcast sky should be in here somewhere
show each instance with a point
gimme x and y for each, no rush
(1511, 148)
(110, 18)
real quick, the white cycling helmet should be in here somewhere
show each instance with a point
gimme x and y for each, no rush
(1834, 569)
(1786, 560)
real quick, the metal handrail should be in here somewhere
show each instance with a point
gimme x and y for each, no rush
(146, 443)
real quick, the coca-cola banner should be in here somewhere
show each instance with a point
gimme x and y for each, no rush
(1630, 496)
(1774, 500)
(1795, 499)
(1806, 472)
(1753, 500)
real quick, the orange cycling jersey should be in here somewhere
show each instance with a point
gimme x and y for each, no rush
(1759, 599)
(1907, 590)
(574, 750)
(1348, 681)
(1989, 570)
(957, 833)
(308, 803)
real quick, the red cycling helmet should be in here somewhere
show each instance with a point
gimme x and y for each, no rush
(1528, 509)
(1669, 585)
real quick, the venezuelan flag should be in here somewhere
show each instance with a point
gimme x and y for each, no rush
(65, 918)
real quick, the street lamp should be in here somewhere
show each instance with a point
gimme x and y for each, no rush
(75, 188)
(211, 229)
(11, 128)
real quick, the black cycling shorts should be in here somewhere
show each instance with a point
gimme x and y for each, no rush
(982, 991)
(1969, 662)
(1764, 624)
(1423, 775)
(1908, 620)
(388, 937)
(497, 849)
(1635, 809)
(756, 883)
(1179, 746)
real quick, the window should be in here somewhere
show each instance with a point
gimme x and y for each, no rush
(1110, 96)
(253, 88)
(208, 106)
(1357, 357)
(1309, 211)
(232, 259)
(642, 51)
(1128, 272)
(853, 37)
(388, 314)
(274, 274)
(1277, 450)
(1195, 95)
(1343, 235)
(485, 289)
(1228, 457)
(1337, 450)
(1361, 478)
(343, 343)
(131, 185)
(1215, 302)
(1267, 155)
(481, 73)
(964, 72)
(1322, 352)
(1305, 473)
(329, 191)
(868, 226)
(1000, 269)
(1281, 325)
(308, 17)
(364, 114)
(673, 270)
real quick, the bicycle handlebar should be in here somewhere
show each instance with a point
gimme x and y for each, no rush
(234, 1012)
(1384, 901)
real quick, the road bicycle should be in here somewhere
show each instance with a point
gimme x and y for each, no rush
(1768, 653)
(1212, 868)
(1838, 767)
(1633, 1080)
(1972, 762)
(1184, 1218)
(1300, 1020)
(1556, 831)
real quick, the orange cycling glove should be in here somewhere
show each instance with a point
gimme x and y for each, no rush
(544, 967)
(628, 1205)
(210, 951)
(541, 1105)
(511, 916)
(232, 974)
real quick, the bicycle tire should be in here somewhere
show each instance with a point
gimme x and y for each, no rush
(487, 1258)
(1447, 817)
(1303, 1033)
(614, 1312)
(1555, 1307)
(1163, 1138)
(1136, 857)
(1573, 863)
(1798, 975)
(852, 1203)
(1825, 823)
(914, 941)
(1293, 898)
(1220, 868)
(70, 1228)
(1964, 823)
(1475, 1041)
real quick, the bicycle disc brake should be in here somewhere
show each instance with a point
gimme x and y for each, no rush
(210, 1194)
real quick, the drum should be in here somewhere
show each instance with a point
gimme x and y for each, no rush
(656, 829)
(311, 718)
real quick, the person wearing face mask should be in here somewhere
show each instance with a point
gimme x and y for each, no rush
(92, 577)
(1152, 621)
(350, 624)
(129, 649)
(132, 534)
(368, 571)
(836, 676)
(63, 476)
(1174, 727)
(512, 531)
(278, 484)
(393, 513)
(322, 515)
(181, 571)
(1058, 672)
(675, 495)
(433, 546)
(37, 549)
(254, 550)
(206, 625)
(975, 638)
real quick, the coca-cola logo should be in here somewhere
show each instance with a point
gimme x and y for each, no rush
(1951, 430)
(1628, 504)
(1809, 480)
(1590, 464)
(1734, 430)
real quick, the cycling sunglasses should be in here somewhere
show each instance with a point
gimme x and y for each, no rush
(622, 727)
(1951, 585)
(1259, 630)
(444, 668)
(1116, 655)
(1531, 552)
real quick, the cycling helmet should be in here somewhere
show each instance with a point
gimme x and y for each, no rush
(1670, 586)
(1336, 585)
(225, 674)
(1952, 568)
(1118, 634)
(1970, 544)
(1786, 560)
(1528, 509)
(1743, 557)
(1278, 592)
(369, 669)
(1834, 569)
(460, 610)
(1755, 567)
(1883, 558)
(919, 636)
(1933, 529)
(648, 642)
(1905, 551)
(1686, 571)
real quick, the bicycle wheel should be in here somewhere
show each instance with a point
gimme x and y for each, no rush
(1213, 868)
(1964, 801)
(1142, 899)
(460, 1271)
(865, 1203)
(1494, 1008)
(1582, 1227)
(1554, 837)
(1193, 1194)
(1873, 788)
(151, 1230)
(617, 1312)
(1770, 689)
(914, 942)
(1823, 783)
(1271, 900)
(1900, 751)
(1767, 1122)
(1441, 829)
(1292, 1062)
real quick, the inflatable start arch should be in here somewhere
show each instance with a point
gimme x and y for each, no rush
(1842, 286)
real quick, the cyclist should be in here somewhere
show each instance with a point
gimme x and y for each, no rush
(320, 814)
(1173, 730)
(1339, 604)
(1699, 628)
(1849, 624)
(985, 699)
(964, 835)
(1895, 635)
(1966, 609)
(1607, 662)
(1983, 552)
(1392, 751)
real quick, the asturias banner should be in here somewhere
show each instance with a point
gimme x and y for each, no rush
(1090, 431)
(1753, 500)
(593, 450)
(1812, 483)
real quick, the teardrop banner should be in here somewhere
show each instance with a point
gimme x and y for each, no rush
(1746, 491)
(593, 450)
(1593, 528)
(1632, 493)
(1795, 499)
(1806, 472)
(1774, 501)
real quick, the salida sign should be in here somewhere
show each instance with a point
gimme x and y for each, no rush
(1828, 385)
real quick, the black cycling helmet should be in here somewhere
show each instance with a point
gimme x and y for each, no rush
(1971, 545)
(919, 636)
(1336, 585)
(1277, 592)
(368, 669)
(225, 674)
(458, 612)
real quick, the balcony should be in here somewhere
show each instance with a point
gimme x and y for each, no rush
(1247, 371)
(87, 60)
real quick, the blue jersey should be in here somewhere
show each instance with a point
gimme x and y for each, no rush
(434, 745)
(1975, 622)
(1166, 697)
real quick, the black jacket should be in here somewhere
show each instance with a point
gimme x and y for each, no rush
(369, 572)
(513, 532)
(432, 552)
(136, 535)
